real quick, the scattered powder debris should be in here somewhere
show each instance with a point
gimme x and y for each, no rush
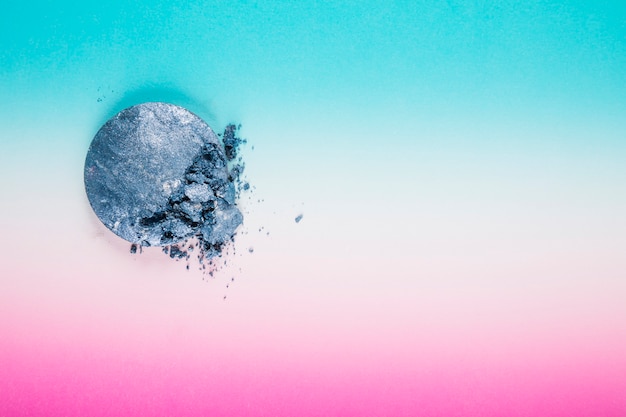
(176, 252)
(298, 218)
(157, 175)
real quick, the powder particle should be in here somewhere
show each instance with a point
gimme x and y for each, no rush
(298, 218)
(157, 175)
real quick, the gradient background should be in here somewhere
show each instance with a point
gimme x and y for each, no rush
(461, 168)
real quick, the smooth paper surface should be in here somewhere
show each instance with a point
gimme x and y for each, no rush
(460, 171)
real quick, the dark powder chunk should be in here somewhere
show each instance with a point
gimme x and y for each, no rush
(177, 253)
(232, 142)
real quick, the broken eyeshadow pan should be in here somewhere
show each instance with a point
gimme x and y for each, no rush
(157, 175)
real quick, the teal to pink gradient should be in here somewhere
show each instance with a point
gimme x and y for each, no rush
(460, 170)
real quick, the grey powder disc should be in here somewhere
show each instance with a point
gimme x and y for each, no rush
(156, 174)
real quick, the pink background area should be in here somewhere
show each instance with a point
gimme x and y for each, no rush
(93, 330)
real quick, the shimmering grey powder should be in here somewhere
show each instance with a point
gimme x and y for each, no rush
(157, 175)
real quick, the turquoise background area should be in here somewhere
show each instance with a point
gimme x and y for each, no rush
(336, 96)
(424, 76)
(392, 62)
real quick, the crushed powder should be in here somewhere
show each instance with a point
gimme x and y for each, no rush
(157, 175)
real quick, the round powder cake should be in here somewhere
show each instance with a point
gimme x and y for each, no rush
(156, 174)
